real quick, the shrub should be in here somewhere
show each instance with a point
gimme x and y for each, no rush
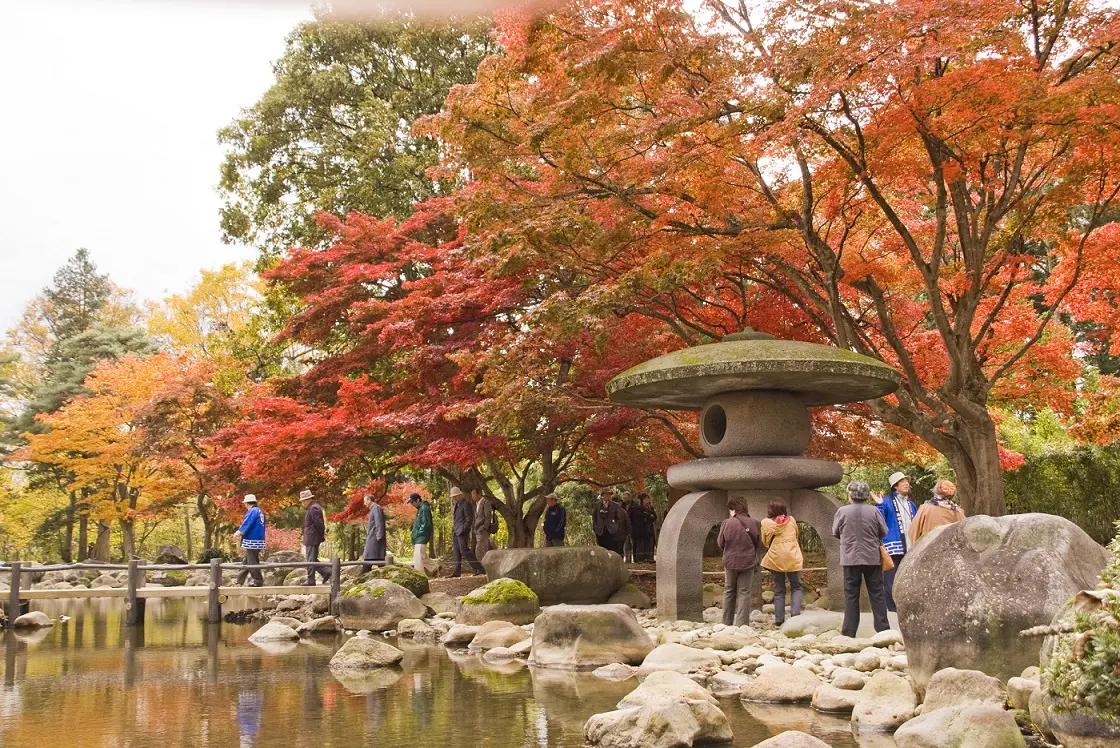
(211, 553)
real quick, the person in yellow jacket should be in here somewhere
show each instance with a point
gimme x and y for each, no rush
(783, 559)
(938, 511)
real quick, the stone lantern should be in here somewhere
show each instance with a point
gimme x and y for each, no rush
(753, 393)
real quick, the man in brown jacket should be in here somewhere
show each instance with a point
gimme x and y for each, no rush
(739, 539)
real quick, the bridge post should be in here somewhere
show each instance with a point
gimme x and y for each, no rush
(135, 604)
(13, 593)
(336, 582)
(214, 605)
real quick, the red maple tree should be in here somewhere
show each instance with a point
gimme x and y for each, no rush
(929, 184)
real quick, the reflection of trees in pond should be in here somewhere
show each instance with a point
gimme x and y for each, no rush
(568, 697)
(367, 681)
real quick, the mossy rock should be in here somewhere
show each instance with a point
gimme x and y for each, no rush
(500, 600)
(377, 605)
(412, 580)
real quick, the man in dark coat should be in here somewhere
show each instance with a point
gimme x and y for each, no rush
(555, 522)
(314, 534)
(462, 524)
(609, 522)
(643, 521)
(375, 532)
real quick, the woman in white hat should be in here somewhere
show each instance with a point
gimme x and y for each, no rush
(898, 512)
(251, 534)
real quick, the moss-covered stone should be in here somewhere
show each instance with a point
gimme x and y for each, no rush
(501, 591)
(364, 589)
(412, 580)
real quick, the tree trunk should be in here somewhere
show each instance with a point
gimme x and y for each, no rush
(207, 522)
(83, 536)
(101, 549)
(128, 539)
(187, 527)
(68, 540)
(977, 468)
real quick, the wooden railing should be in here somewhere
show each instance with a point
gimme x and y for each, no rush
(136, 593)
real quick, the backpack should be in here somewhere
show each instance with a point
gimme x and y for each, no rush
(493, 521)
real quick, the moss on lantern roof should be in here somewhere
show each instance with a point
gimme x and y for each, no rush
(816, 374)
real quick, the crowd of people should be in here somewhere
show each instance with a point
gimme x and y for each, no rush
(627, 526)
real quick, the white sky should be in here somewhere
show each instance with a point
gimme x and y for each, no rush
(108, 117)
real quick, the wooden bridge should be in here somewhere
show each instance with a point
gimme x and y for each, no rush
(135, 593)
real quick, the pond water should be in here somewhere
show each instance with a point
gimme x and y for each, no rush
(179, 681)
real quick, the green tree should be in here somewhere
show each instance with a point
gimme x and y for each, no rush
(334, 132)
(76, 297)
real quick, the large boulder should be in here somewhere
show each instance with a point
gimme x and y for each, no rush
(966, 591)
(572, 574)
(886, 702)
(170, 554)
(502, 599)
(667, 710)
(377, 605)
(969, 726)
(579, 637)
(678, 657)
(364, 652)
(781, 684)
(952, 687)
(412, 580)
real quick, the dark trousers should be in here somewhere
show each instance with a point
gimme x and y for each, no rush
(606, 540)
(252, 556)
(312, 554)
(554, 542)
(795, 591)
(872, 576)
(888, 582)
(643, 548)
(461, 549)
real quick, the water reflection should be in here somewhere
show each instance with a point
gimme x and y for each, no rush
(180, 681)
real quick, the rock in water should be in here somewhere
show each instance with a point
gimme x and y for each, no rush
(502, 599)
(679, 658)
(459, 635)
(966, 591)
(573, 574)
(667, 710)
(781, 684)
(274, 631)
(377, 605)
(491, 637)
(417, 629)
(792, 739)
(324, 625)
(885, 702)
(835, 700)
(970, 726)
(363, 652)
(36, 619)
(583, 637)
(952, 687)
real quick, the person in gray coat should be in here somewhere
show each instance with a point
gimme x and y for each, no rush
(461, 527)
(481, 524)
(861, 530)
(375, 532)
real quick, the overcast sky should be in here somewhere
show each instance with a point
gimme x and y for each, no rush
(108, 115)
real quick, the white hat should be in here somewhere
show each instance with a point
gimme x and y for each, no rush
(249, 499)
(455, 492)
(306, 495)
(895, 478)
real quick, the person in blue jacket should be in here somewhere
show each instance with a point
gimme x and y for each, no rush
(251, 535)
(898, 512)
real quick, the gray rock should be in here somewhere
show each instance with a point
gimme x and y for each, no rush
(494, 634)
(459, 635)
(629, 594)
(781, 684)
(289, 604)
(274, 631)
(1019, 692)
(587, 636)
(663, 687)
(378, 605)
(364, 652)
(292, 623)
(887, 702)
(1019, 571)
(440, 602)
(813, 622)
(727, 641)
(522, 648)
(324, 625)
(953, 687)
(792, 739)
(835, 700)
(667, 709)
(679, 658)
(968, 726)
(170, 554)
(416, 629)
(572, 574)
(500, 600)
(499, 654)
(106, 580)
(36, 619)
(616, 671)
(851, 680)
(728, 683)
